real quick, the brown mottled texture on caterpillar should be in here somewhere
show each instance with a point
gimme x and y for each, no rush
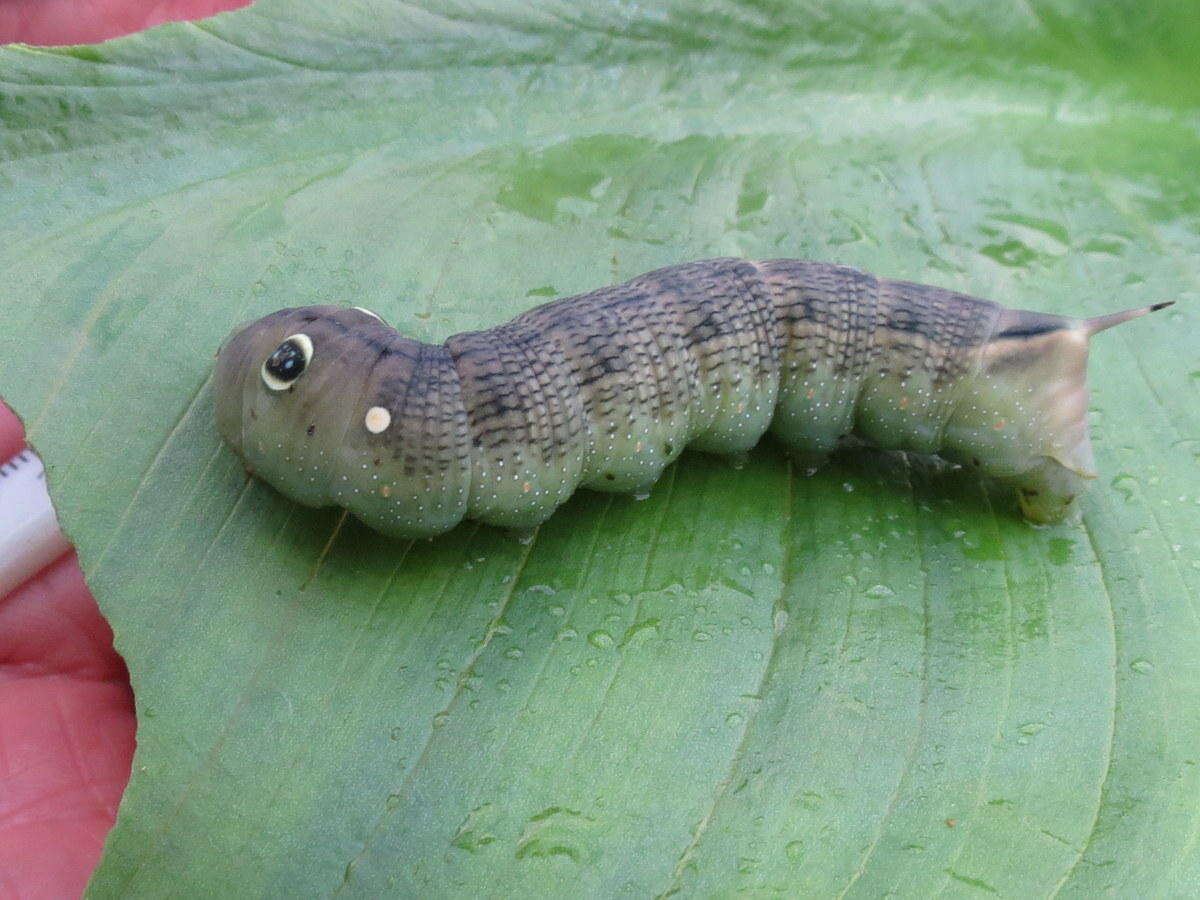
(331, 406)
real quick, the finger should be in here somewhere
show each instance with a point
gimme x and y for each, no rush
(67, 728)
(66, 736)
(52, 22)
(12, 435)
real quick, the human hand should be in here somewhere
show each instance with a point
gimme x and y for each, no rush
(54, 22)
(66, 726)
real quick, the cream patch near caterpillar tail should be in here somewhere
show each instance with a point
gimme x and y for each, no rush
(331, 406)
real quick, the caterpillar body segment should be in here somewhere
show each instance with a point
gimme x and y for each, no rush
(605, 389)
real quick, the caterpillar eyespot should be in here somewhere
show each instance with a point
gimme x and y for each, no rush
(605, 389)
(288, 362)
(373, 315)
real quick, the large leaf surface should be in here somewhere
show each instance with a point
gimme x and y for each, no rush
(866, 681)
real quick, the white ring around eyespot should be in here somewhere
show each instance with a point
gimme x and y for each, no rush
(304, 342)
(373, 315)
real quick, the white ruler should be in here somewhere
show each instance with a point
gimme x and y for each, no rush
(29, 535)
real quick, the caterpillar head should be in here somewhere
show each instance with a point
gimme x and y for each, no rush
(287, 387)
(1024, 417)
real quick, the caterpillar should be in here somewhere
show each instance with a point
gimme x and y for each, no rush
(331, 406)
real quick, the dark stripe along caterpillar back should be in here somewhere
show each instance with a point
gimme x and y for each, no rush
(331, 406)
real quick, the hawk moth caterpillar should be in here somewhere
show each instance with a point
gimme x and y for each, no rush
(331, 406)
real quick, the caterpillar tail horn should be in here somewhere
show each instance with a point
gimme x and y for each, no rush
(1097, 324)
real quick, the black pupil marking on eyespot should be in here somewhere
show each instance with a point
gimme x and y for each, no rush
(287, 362)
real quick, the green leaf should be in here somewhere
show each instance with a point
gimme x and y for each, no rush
(871, 680)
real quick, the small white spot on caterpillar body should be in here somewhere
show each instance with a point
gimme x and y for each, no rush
(377, 420)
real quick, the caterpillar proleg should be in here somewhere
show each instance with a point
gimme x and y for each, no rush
(603, 390)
